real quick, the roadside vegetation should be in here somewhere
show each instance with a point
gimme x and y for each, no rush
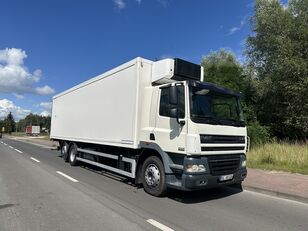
(274, 84)
(281, 156)
(18, 134)
(42, 135)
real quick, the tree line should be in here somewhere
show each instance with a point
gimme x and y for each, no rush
(274, 79)
(8, 125)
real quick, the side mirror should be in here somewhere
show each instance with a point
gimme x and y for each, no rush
(173, 95)
(173, 101)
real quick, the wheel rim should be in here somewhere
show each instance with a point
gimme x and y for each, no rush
(72, 155)
(152, 175)
(64, 149)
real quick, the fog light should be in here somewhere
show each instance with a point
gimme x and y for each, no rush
(243, 163)
(195, 168)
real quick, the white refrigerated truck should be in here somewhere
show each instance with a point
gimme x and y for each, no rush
(155, 122)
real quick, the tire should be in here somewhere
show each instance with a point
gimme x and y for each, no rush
(64, 151)
(153, 177)
(73, 155)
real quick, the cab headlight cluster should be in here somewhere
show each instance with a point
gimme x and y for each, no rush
(193, 168)
(243, 163)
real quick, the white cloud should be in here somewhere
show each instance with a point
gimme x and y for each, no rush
(120, 4)
(46, 105)
(46, 108)
(7, 106)
(18, 96)
(46, 90)
(15, 76)
(237, 28)
(45, 113)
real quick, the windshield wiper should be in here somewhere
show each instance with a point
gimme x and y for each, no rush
(210, 119)
(234, 122)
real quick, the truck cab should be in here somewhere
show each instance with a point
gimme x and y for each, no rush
(199, 129)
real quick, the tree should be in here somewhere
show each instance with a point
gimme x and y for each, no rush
(9, 123)
(33, 119)
(278, 53)
(222, 68)
(1, 125)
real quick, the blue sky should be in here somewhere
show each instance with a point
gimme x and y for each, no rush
(60, 43)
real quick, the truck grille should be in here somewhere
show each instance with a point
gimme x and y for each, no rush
(219, 139)
(240, 148)
(224, 164)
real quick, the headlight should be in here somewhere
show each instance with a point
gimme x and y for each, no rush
(243, 163)
(195, 168)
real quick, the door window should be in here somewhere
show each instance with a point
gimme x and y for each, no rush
(164, 107)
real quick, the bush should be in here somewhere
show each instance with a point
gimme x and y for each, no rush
(258, 134)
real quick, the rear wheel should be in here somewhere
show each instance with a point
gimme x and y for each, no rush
(64, 151)
(153, 176)
(73, 155)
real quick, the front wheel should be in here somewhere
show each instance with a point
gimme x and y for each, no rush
(153, 176)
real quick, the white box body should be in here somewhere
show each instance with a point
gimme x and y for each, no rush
(105, 109)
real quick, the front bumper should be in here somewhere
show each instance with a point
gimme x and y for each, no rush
(191, 182)
(188, 182)
(197, 181)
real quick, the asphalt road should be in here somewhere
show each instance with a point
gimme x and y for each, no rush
(38, 191)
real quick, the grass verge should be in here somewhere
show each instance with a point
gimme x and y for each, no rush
(41, 136)
(280, 156)
(19, 134)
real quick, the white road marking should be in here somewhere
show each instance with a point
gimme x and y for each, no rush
(276, 197)
(36, 160)
(17, 150)
(66, 176)
(159, 225)
(5, 144)
(1, 142)
(10, 146)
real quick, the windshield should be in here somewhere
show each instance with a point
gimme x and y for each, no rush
(213, 107)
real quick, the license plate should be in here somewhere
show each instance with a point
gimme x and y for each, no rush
(226, 177)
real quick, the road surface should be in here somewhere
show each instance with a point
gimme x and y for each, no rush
(38, 191)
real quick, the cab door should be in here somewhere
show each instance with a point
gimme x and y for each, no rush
(169, 134)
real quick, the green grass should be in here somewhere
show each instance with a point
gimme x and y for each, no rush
(18, 134)
(280, 156)
(43, 136)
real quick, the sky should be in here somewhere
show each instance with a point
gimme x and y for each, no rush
(49, 46)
